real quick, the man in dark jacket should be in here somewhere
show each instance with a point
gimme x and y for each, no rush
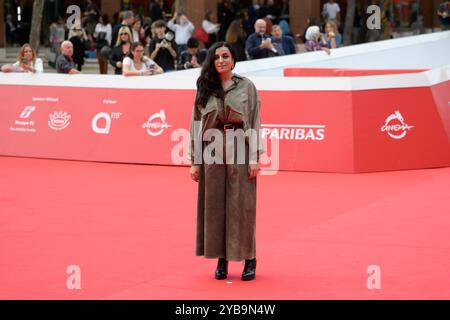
(258, 44)
(285, 43)
(193, 57)
(64, 62)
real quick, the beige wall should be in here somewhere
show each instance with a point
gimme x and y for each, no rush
(299, 11)
(110, 8)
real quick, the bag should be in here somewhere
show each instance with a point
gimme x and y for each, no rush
(202, 35)
(101, 41)
(106, 52)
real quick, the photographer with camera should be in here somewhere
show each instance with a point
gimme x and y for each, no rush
(192, 57)
(136, 64)
(163, 49)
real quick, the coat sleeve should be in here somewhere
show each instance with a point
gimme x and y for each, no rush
(254, 118)
(194, 134)
(113, 58)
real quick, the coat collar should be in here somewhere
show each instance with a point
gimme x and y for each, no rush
(236, 79)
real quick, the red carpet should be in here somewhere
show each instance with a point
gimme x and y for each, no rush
(131, 229)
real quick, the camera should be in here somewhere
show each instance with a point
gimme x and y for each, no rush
(168, 37)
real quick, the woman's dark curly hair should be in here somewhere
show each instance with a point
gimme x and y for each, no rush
(209, 84)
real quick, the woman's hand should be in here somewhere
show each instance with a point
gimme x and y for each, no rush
(195, 173)
(253, 171)
(25, 67)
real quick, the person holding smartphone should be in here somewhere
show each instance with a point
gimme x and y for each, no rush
(136, 64)
(258, 44)
(26, 62)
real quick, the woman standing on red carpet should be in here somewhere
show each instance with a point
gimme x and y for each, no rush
(226, 208)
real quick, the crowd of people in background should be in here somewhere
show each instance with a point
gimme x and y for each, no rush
(164, 42)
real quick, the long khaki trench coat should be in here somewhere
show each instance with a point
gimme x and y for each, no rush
(226, 205)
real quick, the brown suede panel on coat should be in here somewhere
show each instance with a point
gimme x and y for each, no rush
(226, 205)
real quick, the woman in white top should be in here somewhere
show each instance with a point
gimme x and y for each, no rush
(26, 62)
(103, 36)
(210, 28)
(103, 29)
(136, 64)
(137, 30)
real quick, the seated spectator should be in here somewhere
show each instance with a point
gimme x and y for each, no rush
(138, 30)
(444, 15)
(314, 40)
(183, 29)
(332, 37)
(192, 57)
(210, 28)
(127, 19)
(236, 38)
(26, 62)
(162, 48)
(121, 49)
(103, 35)
(80, 43)
(64, 62)
(136, 64)
(258, 44)
(285, 43)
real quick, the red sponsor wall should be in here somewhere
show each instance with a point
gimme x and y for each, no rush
(327, 130)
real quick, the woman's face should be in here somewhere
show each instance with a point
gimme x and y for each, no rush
(138, 52)
(137, 25)
(28, 53)
(329, 28)
(124, 36)
(223, 60)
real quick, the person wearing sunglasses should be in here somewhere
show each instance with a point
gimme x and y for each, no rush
(121, 50)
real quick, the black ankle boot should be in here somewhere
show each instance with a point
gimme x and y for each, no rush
(222, 269)
(249, 270)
